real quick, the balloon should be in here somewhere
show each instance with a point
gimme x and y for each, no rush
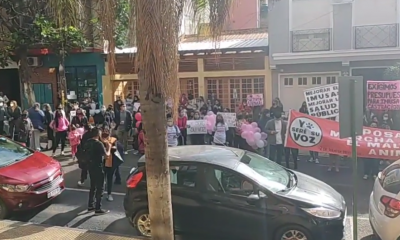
(248, 127)
(209, 126)
(247, 134)
(257, 136)
(258, 130)
(138, 117)
(244, 135)
(250, 141)
(260, 143)
(254, 124)
(263, 136)
(210, 113)
(138, 123)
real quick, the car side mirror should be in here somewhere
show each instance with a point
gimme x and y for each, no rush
(253, 198)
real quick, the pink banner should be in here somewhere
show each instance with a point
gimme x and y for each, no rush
(383, 95)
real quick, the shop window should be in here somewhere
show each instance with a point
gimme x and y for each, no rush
(82, 81)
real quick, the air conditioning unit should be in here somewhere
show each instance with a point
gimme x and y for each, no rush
(34, 61)
(341, 1)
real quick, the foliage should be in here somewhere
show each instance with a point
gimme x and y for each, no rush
(28, 24)
(122, 24)
(63, 38)
(392, 73)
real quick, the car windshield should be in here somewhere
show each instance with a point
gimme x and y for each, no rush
(273, 176)
(11, 152)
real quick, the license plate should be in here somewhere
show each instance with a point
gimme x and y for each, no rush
(54, 193)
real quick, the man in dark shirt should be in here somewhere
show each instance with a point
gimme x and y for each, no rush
(98, 151)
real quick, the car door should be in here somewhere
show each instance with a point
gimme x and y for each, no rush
(185, 196)
(226, 197)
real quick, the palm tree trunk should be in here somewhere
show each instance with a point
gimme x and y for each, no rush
(157, 39)
(25, 78)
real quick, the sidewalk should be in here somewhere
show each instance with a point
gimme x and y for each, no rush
(27, 231)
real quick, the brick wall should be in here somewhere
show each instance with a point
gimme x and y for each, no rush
(42, 75)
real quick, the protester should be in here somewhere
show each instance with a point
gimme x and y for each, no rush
(196, 139)
(97, 152)
(14, 111)
(173, 132)
(220, 130)
(60, 126)
(24, 128)
(74, 137)
(182, 124)
(49, 117)
(80, 120)
(371, 165)
(113, 161)
(36, 115)
(276, 130)
(276, 108)
(123, 120)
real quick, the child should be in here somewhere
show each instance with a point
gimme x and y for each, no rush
(74, 140)
(24, 128)
(141, 139)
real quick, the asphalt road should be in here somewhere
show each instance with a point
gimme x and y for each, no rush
(70, 207)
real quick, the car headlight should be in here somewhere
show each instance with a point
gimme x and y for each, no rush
(14, 188)
(322, 212)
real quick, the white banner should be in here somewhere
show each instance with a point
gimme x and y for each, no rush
(323, 101)
(229, 118)
(196, 127)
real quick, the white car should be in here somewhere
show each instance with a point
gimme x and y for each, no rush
(384, 203)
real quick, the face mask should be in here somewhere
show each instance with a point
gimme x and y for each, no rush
(24, 115)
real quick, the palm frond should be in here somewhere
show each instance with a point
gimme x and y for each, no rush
(64, 12)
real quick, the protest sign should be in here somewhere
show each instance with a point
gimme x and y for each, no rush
(255, 100)
(383, 95)
(196, 127)
(322, 135)
(72, 114)
(323, 101)
(229, 118)
(136, 106)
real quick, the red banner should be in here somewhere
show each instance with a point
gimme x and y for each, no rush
(322, 135)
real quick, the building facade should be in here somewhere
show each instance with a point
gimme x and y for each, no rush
(313, 42)
(239, 67)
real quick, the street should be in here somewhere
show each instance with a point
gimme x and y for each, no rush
(69, 209)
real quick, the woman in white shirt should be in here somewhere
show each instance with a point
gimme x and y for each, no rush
(220, 130)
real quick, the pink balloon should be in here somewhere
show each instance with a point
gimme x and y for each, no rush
(258, 130)
(206, 117)
(254, 124)
(209, 126)
(257, 136)
(251, 141)
(138, 117)
(243, 135)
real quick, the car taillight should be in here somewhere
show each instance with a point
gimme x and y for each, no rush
(133, 180)
(392, 206)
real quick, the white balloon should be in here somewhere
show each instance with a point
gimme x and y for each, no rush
(257, 136)
(260, 143)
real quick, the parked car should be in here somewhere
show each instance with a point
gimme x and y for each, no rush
(235, 194)
(28, 178)
(384, 203)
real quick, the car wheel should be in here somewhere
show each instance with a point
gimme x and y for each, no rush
(3, 210)
(141, 222)
(292, 232)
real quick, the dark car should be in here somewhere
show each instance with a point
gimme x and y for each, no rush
(235, 194)
(28, 178)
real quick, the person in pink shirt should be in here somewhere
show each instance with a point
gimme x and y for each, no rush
(74, 137)
(60, 126)
(182, 124)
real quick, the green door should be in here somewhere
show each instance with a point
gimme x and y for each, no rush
(43, 93)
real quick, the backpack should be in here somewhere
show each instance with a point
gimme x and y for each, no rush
(178, 133)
